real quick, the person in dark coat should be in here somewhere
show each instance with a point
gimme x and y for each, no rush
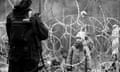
(25, 58)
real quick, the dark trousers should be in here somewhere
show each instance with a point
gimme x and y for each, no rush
(23, 65)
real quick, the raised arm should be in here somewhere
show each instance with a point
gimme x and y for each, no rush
(40, 29)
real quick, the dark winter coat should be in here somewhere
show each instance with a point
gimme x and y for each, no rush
(40, 32)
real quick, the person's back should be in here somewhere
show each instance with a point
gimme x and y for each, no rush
(24, 38)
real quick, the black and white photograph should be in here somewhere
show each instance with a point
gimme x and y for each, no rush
(59, 35)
